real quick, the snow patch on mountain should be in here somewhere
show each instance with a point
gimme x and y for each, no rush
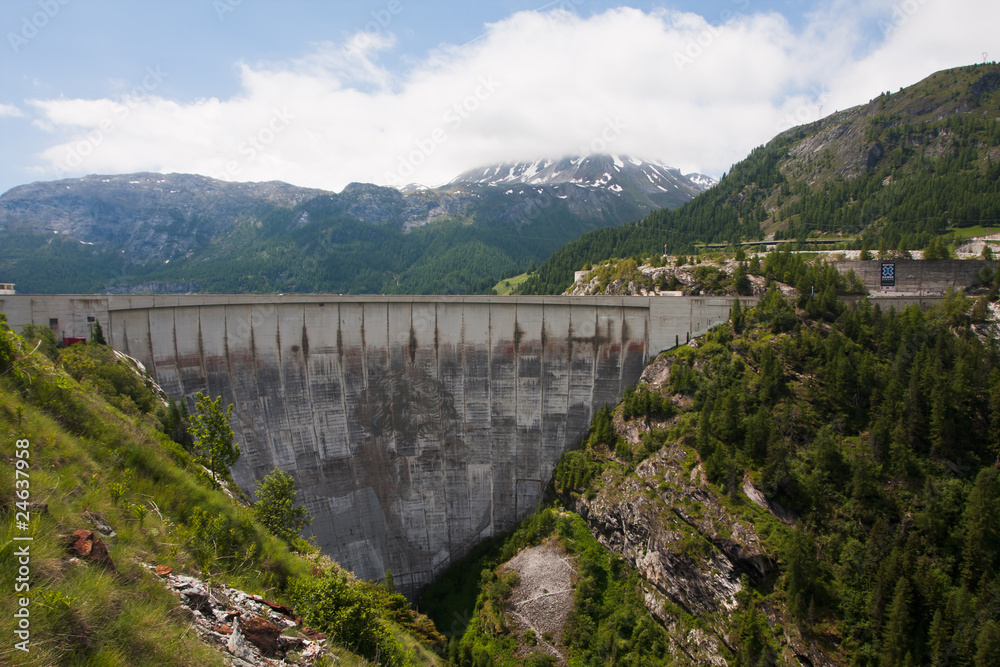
(610, 172)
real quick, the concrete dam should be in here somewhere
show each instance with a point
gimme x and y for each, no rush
(414, 426)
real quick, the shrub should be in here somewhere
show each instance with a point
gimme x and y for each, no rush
(349, 612)
(276, 508)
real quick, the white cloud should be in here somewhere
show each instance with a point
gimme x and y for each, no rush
(696, 92)
(10, 111)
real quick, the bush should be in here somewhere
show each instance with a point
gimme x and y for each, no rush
(118, 382)
(276, 508)
(43, 337)
(7, 349)
(349, 612)
(540, 659)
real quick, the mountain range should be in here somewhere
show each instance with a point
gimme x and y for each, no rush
(892, 174)
(182, 232)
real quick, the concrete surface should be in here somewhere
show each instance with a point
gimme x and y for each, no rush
(414, 426)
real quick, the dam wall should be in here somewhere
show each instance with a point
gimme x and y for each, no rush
(414, 426)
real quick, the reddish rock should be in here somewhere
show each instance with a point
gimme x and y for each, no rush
(99, 553)
(82, 548)
(163, 570)
(314, 635)
(86, 544)
(224, 629)
(281, 609)
(262, 633)
(80, 543)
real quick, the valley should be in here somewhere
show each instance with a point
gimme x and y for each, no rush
(577, 411)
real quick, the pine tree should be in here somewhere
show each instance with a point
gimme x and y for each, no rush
(99, 334)
(982, 532)
(988, 645)
(801, 568)
(736, 316)
(896, 640)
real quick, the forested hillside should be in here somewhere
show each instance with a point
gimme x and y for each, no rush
(893, 174)
(816, 482)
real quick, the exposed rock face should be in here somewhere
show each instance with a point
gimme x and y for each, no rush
(688, 543)
(677, 533)
(247, 627)
(692, 550)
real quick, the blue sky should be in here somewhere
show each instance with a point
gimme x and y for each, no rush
(393, 91)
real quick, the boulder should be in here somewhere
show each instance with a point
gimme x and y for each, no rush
(87, 545)
(261, 632)
(100, 523)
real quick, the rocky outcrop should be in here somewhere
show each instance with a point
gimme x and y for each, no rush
(252, 630)
(86, 544)
(693, 552)
(694, 547)
(649, 280)
(543, 597)
(674, 529)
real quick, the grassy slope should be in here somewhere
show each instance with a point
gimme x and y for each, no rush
(510, 285)
(80, 448)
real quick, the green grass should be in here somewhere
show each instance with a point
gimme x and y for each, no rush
(509, 285)
(962, 233)
(80, 613)
(81, 448)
